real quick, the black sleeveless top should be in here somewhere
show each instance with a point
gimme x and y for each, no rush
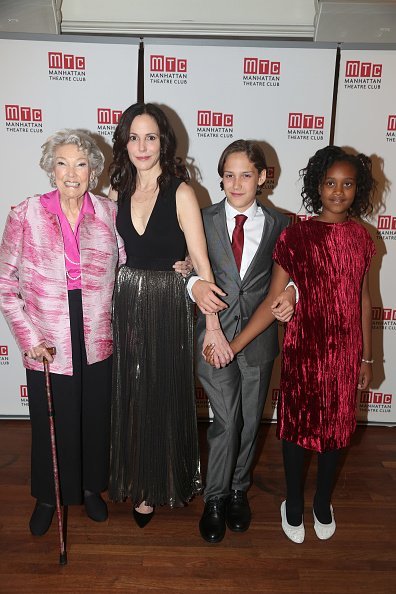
(163, 242)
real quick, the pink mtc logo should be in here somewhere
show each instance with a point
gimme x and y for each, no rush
(59, 60)
(21, 113)
(259, 66)
(108, 116)
(392, 123)
(23, 391)
(215, 119)
(358, 69)
(386, 222)
(306, 121)
(3, 350)
(159, 63)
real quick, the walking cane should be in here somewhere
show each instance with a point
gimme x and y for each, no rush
(62, 545)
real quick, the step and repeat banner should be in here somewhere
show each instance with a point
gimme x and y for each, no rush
(47, 85)
(214, 93)
(366, 121)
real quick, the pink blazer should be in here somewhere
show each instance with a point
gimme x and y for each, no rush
(33, 287)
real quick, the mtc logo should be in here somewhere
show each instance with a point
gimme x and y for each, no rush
(356, 68)
(23, 391)
(23, 113)
(392, 122)
(3, 351)
(375, 398)
(108, 116)
(301, 120)
(386, 223)
(215, 118)
(257, 66)
(59, 60)
(270, 172)
(160, 63)
(275, 396)
(383, 314)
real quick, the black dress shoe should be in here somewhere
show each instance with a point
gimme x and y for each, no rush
(212, 524)
(41, 518)
(95, 507)
(238, 514)
(142, 519)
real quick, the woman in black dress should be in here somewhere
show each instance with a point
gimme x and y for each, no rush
(154, 447)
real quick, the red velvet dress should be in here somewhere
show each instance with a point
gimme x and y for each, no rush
(322, 346)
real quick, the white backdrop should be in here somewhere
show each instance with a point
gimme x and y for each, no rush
(48, 85)
(366, 121)
(225, 92)
(279, 95)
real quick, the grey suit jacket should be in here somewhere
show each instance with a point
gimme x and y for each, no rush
(243, 296)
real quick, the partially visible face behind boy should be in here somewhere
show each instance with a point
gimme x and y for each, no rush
(240, 181)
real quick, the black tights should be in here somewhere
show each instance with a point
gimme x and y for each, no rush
(293, 461)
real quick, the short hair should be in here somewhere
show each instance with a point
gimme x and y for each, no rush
(252, 150)
(315, 172)
(123, 172)
(84, 141)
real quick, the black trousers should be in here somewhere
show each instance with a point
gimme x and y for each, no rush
(82, 422)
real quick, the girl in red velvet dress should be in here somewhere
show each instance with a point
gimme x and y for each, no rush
(327, 344)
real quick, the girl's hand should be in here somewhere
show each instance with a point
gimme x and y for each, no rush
(283, 306)
(39, 352)
(222, 353)
(365, 375)
(208, 354)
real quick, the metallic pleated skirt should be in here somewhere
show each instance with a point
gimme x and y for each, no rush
(154, 443)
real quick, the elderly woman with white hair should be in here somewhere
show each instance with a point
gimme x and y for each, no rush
(58, 259)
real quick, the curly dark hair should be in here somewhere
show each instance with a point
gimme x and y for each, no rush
(123, 172)
(253, 151)
(315, 172)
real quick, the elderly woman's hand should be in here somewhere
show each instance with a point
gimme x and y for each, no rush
(39, 352)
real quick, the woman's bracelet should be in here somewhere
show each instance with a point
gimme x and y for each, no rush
(213, 329)
(368, 361)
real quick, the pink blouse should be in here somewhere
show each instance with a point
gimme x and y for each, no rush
(71, 239)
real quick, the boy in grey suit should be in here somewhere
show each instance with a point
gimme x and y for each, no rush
(241, 261)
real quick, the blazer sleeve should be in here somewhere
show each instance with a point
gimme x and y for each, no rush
(11, 302)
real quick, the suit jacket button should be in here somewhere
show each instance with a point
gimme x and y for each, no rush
(236, 318)
(241, 292)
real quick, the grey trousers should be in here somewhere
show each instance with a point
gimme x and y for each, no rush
(237, 396)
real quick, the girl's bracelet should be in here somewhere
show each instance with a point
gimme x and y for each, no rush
(213, 329)
(368, 361)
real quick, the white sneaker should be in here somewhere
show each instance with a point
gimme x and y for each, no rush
(324, 531)
(295, 533)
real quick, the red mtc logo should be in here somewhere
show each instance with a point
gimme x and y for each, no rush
(386, 223)
(160, 63)
(270, 172)
(23, 391)
(383, 314)
(65, 61)
(108, 116)
(215, 118)
(356, 68)
(23, 113)
(3, 350)
(257, 66)
(375, 398)
(301, 120)
(392, 122)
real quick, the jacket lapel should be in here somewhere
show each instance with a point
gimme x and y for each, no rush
(220, 225)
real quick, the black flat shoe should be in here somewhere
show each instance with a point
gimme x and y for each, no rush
(95, 507)
(212, 524)
(238, 514)
(41, 518)
(142, 519)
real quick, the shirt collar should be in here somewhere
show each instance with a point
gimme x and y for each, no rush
(231, 212)
(51, 201)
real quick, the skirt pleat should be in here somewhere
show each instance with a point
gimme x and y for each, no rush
(154, 443)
